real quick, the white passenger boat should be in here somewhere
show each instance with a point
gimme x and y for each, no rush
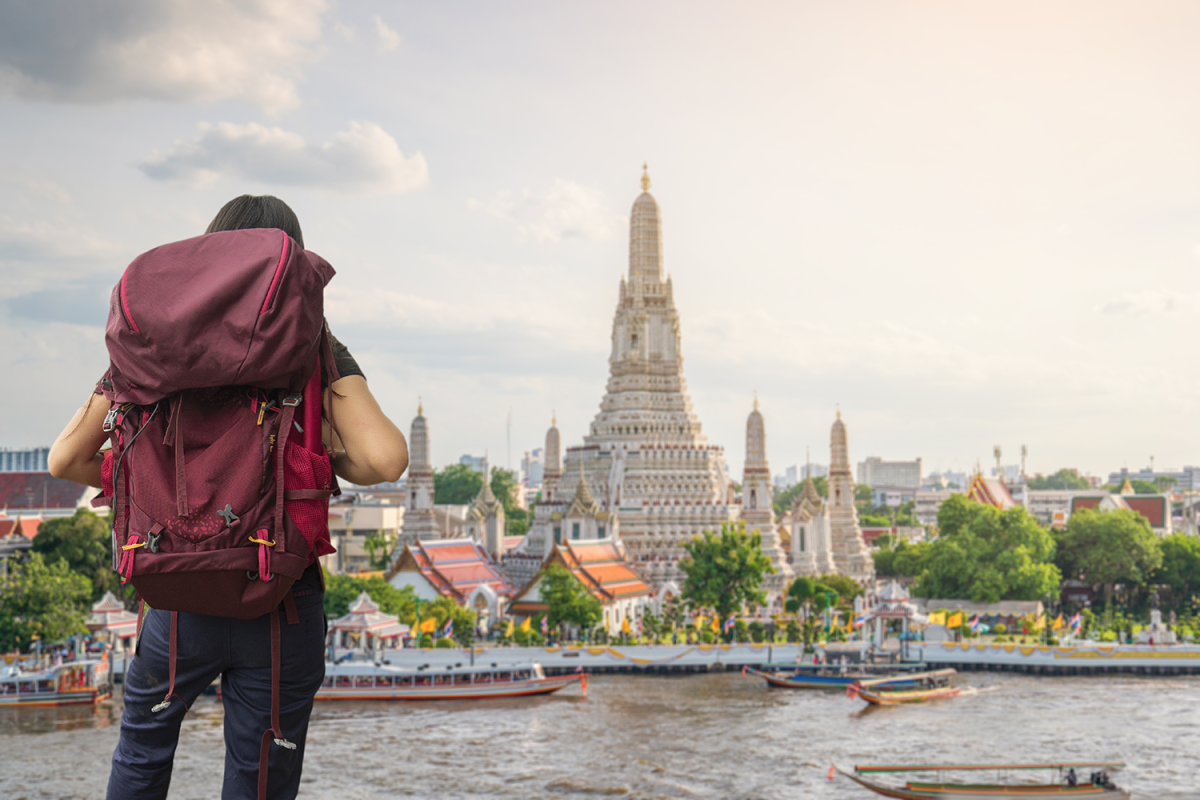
(359, 680)
(82, 682)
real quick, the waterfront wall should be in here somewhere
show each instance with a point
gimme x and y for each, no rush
(1081, 659)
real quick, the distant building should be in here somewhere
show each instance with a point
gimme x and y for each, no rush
(1186, 479)
(892, 496)
(460, 569)
(926, 504)
(1045, 504)
(43, 493)
(813, 471)
(1156, 508)
(877, 472)
(31, 460)
(477, 463)
(349, 527)
(533, 467)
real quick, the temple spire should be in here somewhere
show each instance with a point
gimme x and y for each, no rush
(645, 178)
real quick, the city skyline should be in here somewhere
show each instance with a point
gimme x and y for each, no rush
(964, 225)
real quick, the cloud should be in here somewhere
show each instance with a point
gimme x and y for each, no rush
(344, 30)
(40, 255)
(363, 159)
(567, 211)
(190, 51)
(1150, 301)
(388, 38)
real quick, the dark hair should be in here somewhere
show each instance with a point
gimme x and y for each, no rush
(257, 211)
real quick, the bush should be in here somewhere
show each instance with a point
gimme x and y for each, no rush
(758, 632)
(1000, 628)
(793, 632)
(707, 637)
(445, 642)
(426, 640)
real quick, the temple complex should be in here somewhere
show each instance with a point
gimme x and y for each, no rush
(850, 554)
(644, 457)
(419, 521)
(809, 548)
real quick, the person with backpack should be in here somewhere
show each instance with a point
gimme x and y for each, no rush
(230, 408)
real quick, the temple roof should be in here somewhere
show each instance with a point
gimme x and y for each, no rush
(454, 567)
(991, 492)
(600, 565)
(365, 617)
(19, 526)
(582, 504)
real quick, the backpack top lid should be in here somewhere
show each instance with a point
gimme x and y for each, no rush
(234, 308)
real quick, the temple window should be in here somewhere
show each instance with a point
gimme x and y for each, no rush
(574, 530)
(557, 535)
(600, 532)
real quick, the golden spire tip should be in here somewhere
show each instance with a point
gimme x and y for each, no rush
(645, 177)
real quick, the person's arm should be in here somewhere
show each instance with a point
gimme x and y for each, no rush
(75, 454)
(368, 448)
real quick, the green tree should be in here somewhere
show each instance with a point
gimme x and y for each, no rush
(863, 493)
(1065, 478)
(84, 542)
(725, 570)
(844, 586)
(456, 485)
(464, 618)
(342, 590)
(1107, 547)
(986, 555)
(567, 600)
(41, 601)
(1180, 567)
(898, 558)
(378, 545)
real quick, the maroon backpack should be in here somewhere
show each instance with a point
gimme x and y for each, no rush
(217, 476)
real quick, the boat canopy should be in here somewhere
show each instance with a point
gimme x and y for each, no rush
(868, 769)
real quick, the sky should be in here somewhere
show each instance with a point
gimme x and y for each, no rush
(963, 223)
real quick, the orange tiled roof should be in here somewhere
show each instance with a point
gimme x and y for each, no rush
(454, 567)
(21, 526)
(601, 567)
(991, 491)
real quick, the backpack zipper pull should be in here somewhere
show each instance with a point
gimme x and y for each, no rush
(261, 410)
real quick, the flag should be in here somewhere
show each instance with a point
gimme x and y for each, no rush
(1058, 622)
(730, 624)
(428, 626)
(509, 631)
(716, 624)
(955, 621)
(448, 628)
(860, 620)
(975, 624)
(698, 622)
(937, 618)
(526, 624)
(625, 625)
(1076, 622)
(545, 627)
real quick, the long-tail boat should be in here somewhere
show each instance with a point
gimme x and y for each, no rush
(81, 682)
(833, 678)
(357, 680)
(1069, 782)
(875, 695)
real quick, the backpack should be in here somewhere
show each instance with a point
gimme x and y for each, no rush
(217, 476)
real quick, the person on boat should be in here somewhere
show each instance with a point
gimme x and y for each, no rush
(1072, 778)
(370, 449)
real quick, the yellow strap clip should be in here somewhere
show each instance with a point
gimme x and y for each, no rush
(262, 541)
(132, 546)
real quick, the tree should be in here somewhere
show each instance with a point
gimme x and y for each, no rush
(846, 587)
(342, 590)
(456, 485)
(900, 559)
(41, 601)
(1106, 547)
(863, 493)
(84, 542)
(1065, 478)
(725, 570)
(444, 608)
(568, 600)
(378, 545)
(986, 555)
(1180, 567)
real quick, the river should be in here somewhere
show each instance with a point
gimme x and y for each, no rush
(688, 736)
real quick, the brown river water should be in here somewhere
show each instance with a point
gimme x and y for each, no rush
(688, 736)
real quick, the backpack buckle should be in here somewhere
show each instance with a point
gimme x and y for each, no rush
(110, 419)
(152, 542)
(293, 399)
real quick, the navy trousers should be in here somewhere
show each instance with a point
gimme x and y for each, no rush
(240, 652)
